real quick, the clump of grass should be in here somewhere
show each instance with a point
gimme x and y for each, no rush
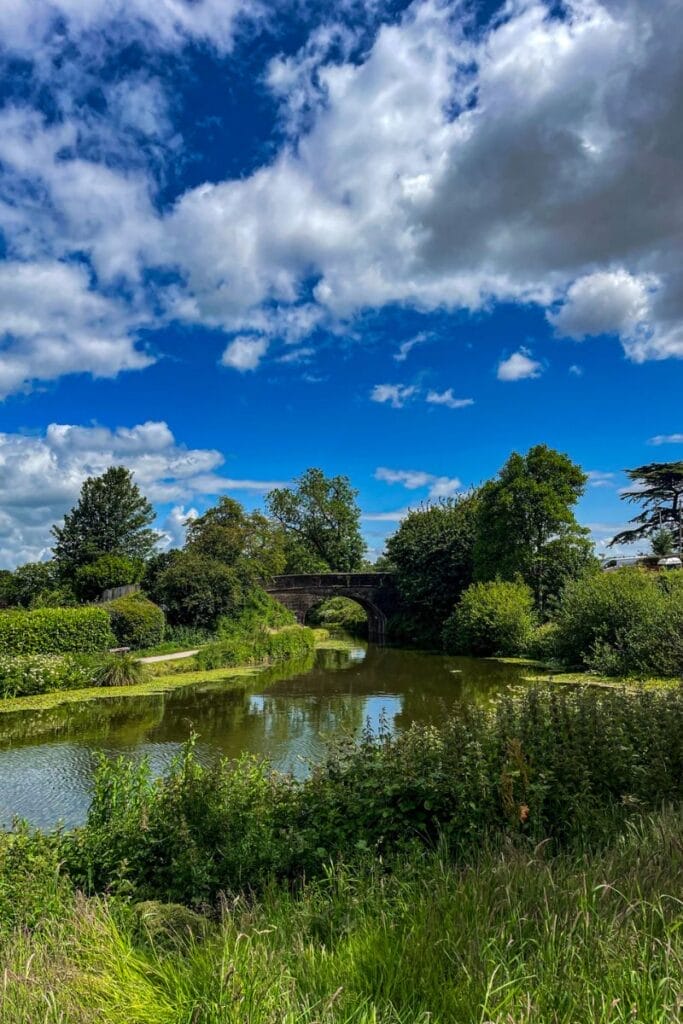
(121, 670)
(518, 937)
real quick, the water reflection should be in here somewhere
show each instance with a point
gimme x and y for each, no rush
(46, 758)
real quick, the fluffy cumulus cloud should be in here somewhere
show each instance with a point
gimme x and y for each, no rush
(519, 366)
(244, 353)
(41, 476)
(448, 170)
(415, 479)
(435, 166)
(396, 395)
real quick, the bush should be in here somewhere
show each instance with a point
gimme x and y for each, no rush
(136, 621)
(494, 618)
(25, 675)
(546, 764)
(257, 612)
(107, 572)
(628, 622)
(542, 644)
(340, 613)
(55, 631)
(196, 591)
(290, 643)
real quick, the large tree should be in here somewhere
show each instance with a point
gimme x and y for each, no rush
(112, 517)
(321, 522)
(248, 541)
(431, 556)
(527, 527)
(659, 489)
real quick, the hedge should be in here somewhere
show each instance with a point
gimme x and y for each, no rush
(136, 621)
(55, 631)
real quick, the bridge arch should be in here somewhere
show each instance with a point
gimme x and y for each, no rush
(370, 590)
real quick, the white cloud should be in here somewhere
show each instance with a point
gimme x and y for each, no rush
(41, 476)
(406, 347)
(52, 322)
(245, 353)
(396, 394)
(660, 439)
(519, 366)
(394, 516)
(414, 479)
(575, 370)
(448, 399)
(599, 478)
(174, 526)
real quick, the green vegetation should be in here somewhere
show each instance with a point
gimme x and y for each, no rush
(24, 675)
(288, 643)
(520, 935)
(120, 670)
(107, 572)
(491, 619)
(432, 557)
(136, 621)
(320, 519)
(340, 613)
(55, 631)
(659, 489)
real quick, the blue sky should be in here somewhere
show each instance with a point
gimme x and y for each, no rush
(393, 240)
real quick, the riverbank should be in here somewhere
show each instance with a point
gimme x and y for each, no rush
(518, 936)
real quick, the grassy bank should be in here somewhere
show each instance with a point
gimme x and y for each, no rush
(516, 938)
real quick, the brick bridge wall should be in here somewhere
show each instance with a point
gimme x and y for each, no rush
(372, 590)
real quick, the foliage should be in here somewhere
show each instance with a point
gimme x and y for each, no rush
(518, 935)
(28, 582)
(136, 621)
(248, 542)
(628, 622)
(494, 618)
(107, 572)
(526, 525)
(659, 489)
(340, 613)
(662, 543)
(431, 555)
(24, 675)
(111, 517)
(258, 611)
(55, 631)
(196, 591)
(562, 765)
(120, 670)
(321, 521)
(244, 648)
(542, 644)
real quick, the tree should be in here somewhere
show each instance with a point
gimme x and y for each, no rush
(495, 618)
(106, 572)
(321, 522)
(249, 542)
(112, 517)
(662, 543)
(432, 557)
(30, 581)
(526, 526)
(659, 489)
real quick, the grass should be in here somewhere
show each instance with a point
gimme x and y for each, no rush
(517, 938)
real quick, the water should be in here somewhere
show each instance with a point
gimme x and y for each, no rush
(47, 757)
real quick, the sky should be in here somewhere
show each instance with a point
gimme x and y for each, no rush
(393, 240)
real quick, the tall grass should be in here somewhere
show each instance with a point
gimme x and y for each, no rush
(518, 937)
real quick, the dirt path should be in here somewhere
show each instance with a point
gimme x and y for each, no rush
(176, 656)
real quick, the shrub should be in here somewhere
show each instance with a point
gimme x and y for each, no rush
(55, 631)
(196, 591)
(120, 670)
(107, 572)
(25, 675)
(258, 611)
(292, 642)
(136, 621)
(494, 618)
(542, 644)
(546, 764)
(628, 622)
(340, 613)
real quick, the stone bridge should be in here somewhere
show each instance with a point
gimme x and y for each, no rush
(371, 590)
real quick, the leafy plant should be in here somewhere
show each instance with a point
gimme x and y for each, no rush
(108, 571)
(55, 631)
(136, 621)
(491, 618)
(121, 670)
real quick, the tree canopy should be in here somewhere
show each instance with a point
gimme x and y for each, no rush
(112, 517)
(247, 541)
(659, 489)
(321, 522)
(526, 526)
